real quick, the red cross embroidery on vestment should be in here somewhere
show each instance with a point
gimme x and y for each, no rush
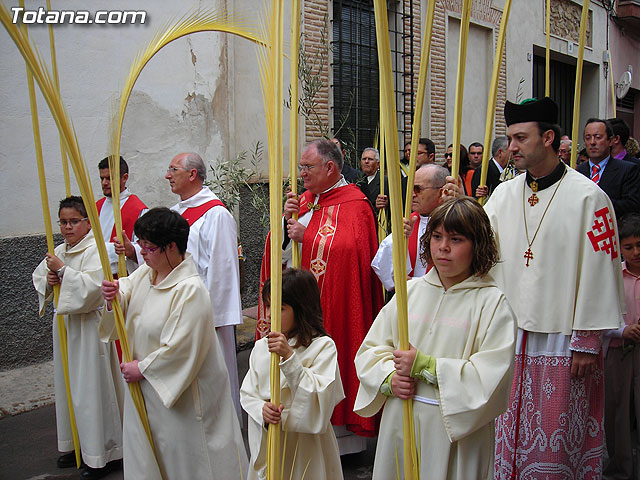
(602, 234)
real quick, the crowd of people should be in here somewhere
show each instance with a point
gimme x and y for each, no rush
(523, 317)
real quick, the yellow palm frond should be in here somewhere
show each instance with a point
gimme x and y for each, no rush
(389, 131)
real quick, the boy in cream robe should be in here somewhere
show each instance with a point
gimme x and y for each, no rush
(96, 389)
(182, 373)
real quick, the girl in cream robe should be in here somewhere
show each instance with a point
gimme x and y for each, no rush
(94, 377)
(310, 388)
(184, 382)
(467, 331)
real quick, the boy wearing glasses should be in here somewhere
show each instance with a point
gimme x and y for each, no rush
(96, 390)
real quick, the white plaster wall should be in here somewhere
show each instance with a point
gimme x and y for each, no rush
(185, 100)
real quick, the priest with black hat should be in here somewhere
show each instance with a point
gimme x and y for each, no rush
(560, 270)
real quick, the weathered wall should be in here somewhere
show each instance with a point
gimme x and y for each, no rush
(200, 93)
(26, 338)
(182, 101)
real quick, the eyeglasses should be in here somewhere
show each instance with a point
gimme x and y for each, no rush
(448, 155)
(73, 222)
(175, 169)
(306, 168)
(418, 188)
(475, 153)
(147, 248)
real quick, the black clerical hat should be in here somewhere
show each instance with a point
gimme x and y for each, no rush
(531, 110)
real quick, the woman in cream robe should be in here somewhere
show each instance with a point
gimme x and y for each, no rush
(310, 389)
(185, 386)
(470, 330)
(94, 377)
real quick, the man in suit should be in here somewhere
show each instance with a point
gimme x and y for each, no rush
(475, 154)
(498, 162)
(370, 184)
(620, 136)
(619, 179)
(350, 174)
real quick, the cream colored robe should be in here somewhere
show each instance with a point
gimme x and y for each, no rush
(186, 386)
(94, 375)
(310, 389)
(470, 330)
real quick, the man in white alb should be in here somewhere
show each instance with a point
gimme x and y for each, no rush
(213, 243)
(560, 270)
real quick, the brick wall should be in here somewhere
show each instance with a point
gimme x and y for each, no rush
(316, 11)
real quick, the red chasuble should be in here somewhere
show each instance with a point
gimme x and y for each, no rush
(338, 246)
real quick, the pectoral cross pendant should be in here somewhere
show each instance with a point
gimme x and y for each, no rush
(533, 199)
(528, 254)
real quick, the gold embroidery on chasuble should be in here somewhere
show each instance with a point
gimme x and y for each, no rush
(322, 243)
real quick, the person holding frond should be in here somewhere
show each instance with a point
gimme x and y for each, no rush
(310, 386)
(177, 362)
(459, 366)
(337, 234)
(96, 391)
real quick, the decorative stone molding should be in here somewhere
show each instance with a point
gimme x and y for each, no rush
(565, 21)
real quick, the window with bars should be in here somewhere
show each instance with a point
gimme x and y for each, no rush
(355, 85)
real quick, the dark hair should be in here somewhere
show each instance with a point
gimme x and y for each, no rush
(73, 202)
(329, 151)
(464, 216)
(465, 164)
(476, 144)
(629, 226)
(619, 129)
(162, 226)
(431, 147)
(104, 163)
(607, 126)
(557, 132)
(300, 291)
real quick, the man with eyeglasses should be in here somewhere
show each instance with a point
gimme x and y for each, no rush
(131, 208)
(427, 195)
(336, 231)
(213, 245)
(564, 151)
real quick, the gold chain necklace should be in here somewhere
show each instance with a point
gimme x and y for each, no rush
(528, 254)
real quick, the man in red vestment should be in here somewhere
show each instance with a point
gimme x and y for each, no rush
(337, 232)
